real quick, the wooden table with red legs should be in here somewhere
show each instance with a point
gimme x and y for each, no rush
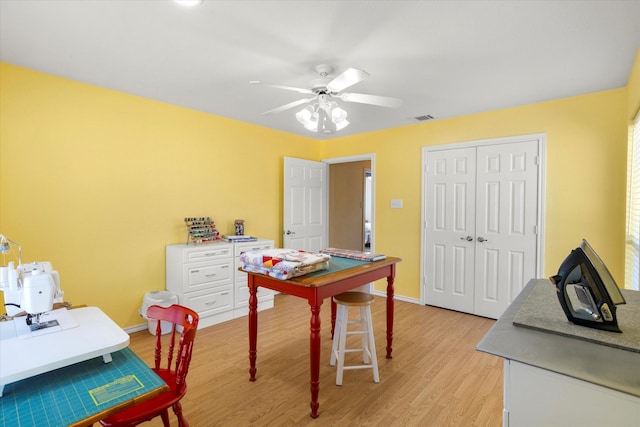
(343, 275)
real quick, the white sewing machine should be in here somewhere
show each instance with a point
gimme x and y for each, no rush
(34, 288)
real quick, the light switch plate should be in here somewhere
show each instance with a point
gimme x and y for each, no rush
(396, 203)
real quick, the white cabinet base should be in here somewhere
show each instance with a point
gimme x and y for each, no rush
(206, 279)
(538, 397)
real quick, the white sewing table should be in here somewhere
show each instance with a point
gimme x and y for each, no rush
(89, 333)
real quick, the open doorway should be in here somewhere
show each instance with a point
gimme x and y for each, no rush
(351, 203)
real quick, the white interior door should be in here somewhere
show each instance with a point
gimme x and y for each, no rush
(450, 208)
(305, 210)
(506, 224)
(481, 224)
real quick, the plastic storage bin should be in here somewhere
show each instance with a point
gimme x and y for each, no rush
(163, 299)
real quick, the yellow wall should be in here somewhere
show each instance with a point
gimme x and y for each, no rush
(98, 182)
(633, 89)
(585, 179)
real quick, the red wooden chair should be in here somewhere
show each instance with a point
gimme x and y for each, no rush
(175, 376)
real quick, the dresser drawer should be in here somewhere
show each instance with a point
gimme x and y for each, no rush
(208, 253)
(203, 275)
(209, 302)
(240, 248)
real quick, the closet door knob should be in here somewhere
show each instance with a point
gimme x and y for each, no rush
(482, 239)
(468, 238)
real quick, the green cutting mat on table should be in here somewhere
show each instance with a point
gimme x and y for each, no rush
(338, 264)
(73, 393)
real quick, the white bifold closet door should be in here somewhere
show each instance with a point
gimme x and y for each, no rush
(481, 205)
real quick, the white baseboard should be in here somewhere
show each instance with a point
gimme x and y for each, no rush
(397, 297)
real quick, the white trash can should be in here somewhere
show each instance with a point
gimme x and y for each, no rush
(163, 299)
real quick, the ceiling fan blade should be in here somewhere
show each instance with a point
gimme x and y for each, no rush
(288, 106)
(381, 101)
(348, 78)
(295, 89)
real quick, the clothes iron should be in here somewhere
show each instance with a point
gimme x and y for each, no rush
(586, 290)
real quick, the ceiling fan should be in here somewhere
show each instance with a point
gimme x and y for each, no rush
(323, 114)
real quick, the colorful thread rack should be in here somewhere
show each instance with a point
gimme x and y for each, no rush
(201, 230)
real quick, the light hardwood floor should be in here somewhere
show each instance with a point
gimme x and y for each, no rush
(436, 377)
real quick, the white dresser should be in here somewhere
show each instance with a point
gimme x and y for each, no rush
(206, 279)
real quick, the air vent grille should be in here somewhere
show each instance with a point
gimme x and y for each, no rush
(424, 117)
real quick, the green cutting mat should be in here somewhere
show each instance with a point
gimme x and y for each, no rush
(67, 395)
(336, 264)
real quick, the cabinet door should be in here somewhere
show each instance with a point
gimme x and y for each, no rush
(537, 397)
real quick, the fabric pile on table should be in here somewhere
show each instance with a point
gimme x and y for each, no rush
(283, 264)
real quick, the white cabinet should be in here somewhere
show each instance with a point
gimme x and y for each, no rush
(538, 397)
(206, 279)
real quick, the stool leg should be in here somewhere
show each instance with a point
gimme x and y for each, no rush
(342, 344)
(372, 346)
(336, 337)
(364, 327)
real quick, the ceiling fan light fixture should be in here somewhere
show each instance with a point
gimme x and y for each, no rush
(325, 117)
(343, 124)
(311, 126)
(325, 124)
(304, 116)
(338, 115)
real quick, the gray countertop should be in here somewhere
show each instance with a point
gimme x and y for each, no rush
(606, 366)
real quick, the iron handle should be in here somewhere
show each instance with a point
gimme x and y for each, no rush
(468, 238)
(482, 239)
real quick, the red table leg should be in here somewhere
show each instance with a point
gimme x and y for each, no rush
(314, 348)
(390, 294)
(253, 326)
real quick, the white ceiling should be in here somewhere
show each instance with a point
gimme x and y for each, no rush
(442, 58)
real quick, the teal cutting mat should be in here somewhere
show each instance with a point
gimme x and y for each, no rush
(337, 264)
(68, 395)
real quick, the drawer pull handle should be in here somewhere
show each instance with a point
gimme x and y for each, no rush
(210, 303)
(210, 275)
(195, 271)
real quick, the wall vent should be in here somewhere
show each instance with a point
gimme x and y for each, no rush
(424, 118)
